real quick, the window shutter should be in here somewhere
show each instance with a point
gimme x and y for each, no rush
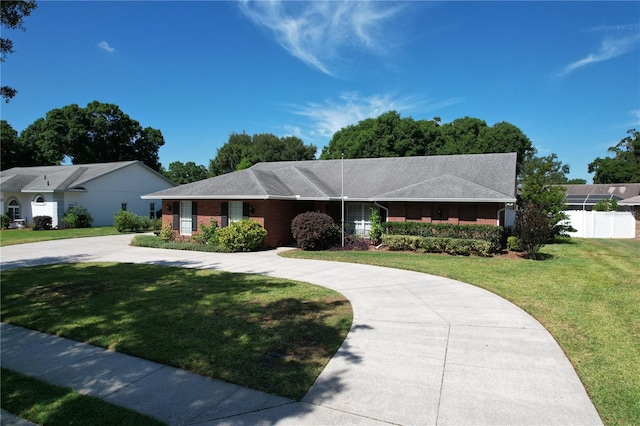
(176, 215)
(224, 215)
(194, 216)
(245, 210)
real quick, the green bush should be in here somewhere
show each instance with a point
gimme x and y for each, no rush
(77, 217)
(208, 234)
(5, 221)
(244, 235)
(492, 234)
(315, 231)
(127, 221)
(41, 223)
(454, 246)
(375, 233)
(513, 243)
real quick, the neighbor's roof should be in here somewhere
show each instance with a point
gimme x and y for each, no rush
(59, 178)
(589, 195)
(475, 177)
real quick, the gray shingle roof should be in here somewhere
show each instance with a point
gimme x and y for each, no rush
(474, 177)
(56, 178)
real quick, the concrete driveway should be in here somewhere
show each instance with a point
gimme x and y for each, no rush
(423, 350)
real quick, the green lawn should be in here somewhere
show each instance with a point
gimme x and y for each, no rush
(46, 404)
(586, 293)
(21, 236)
(269, 334)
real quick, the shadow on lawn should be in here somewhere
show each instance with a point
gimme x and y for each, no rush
(265, 333)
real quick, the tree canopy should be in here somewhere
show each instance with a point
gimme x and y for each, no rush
(624, 167)
(242, 151)
(12, 13)
(390, 135)
(8, 147)
(98, 133)
(188, 172)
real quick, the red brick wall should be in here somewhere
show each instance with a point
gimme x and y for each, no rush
(276, 215)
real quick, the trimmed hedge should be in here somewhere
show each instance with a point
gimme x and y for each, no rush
(489, 233)
(244, 235)
(455, 246)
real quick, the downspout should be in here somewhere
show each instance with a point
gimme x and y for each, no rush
(385, 209)
(504, 209)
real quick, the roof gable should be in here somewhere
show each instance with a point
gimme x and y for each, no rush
(61, 178)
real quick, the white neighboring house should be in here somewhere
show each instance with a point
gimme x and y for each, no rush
(102, 188)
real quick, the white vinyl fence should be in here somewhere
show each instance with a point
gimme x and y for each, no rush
(590, 224)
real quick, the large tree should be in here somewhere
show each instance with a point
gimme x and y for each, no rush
(98, 133)
(624, 167)
(242, 151)
(8, 146)
(12, 13)
(188, 172)
(390, 135)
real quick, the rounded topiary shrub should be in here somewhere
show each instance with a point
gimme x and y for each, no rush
(244, 235)
(315, 231)
(77, 217)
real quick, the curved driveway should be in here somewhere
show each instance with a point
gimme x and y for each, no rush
(423, 350)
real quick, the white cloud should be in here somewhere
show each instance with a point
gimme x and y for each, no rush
(318, 32)
(636, 117)
(332, 115)
(610, 47)
(105, 46)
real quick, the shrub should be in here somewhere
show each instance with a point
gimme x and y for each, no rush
(606, 205)
(533, 229)
(354, 243)
(5, 221)
(315, 231)
(244, 235)
(42, 223)
(77, 217)
(156, 224)
(166, 233)
(492, 234)
(127, 221)
(208, 234)
(454, 246)
(513, 243)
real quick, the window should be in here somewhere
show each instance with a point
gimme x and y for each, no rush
(39, 199)
(235, 211)
(358, 218)
(440, 212)
(413, 211)
(152, 210)
(468, 213)
(185, 218)
(123, 207)
(14, 209)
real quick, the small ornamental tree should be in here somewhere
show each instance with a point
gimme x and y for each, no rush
(533, 229)
(315, 231)
(607, 205)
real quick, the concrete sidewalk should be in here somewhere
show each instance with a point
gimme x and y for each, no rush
(422, 350)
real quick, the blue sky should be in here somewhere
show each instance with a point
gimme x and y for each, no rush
(566, 73)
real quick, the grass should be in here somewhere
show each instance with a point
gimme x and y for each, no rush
(269, 334)
(586, 293)
(46, 404)
(21, 236)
